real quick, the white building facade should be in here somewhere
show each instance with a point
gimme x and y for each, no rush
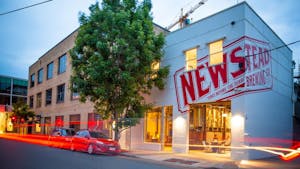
(230, 79)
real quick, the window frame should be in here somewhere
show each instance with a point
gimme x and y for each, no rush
(40, 75)
(154, 138)
(187, 61)
(61, 63)
(39, 100)
(59, 95)
(46, 97)
(215, 53)
(32, 80)
(31, 101)
(50, 71)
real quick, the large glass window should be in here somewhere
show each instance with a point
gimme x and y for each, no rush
(75, 121)
(209, 122)
(31, 102)
(191, 59)
(20, 87)
(39, 100)
(5, 85)
(60, 93)
(40, 76)
(32, 80)
(48, 96)
(216, 52)
(50, 70)
(153, 125)
(62, 64)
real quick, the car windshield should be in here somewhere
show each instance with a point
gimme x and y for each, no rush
(98, 135)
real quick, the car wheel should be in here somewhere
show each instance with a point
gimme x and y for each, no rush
(90, 149)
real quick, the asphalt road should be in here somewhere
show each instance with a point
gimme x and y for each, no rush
(20, 155)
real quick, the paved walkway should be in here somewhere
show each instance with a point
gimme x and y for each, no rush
(197, 159)
(192, 160)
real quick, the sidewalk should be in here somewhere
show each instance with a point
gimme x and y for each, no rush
(194, 159)
(197, 159)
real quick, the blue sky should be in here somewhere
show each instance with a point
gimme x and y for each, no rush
(27, 34)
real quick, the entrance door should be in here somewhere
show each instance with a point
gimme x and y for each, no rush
(209, 122)
(168, 125)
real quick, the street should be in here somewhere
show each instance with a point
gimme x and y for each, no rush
(20, 155)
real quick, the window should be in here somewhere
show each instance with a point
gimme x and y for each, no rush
(60, 93)
(50, 70)
(39, 100)
(155, 68)
(5, 85)
(48, 96)
(20, 87)
(31, 101)
(75, 122)
(62, 64)
(153, 126)
(216, 52)
(32, 80)
(191, 59)
(75, 94)
(40, 76)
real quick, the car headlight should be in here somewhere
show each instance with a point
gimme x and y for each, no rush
(99, 142)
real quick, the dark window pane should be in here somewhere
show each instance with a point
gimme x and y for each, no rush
(20, 87)
(62, 64)
(50, 70)
(40, 76)
(4, 100)
(48, 96)
(5, 85)
(60, 93)
(32, 80)
(31, 101)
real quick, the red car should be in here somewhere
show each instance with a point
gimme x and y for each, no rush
(94, 142)
(61, 138)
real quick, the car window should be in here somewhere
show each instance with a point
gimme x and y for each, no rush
(98, 135)
(70, 132)
(63, 132)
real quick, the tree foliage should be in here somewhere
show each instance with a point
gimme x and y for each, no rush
(21, 112)
(112, 59)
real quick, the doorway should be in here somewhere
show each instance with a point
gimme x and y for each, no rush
(209, 122)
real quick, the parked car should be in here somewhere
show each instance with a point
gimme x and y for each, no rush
(94, 142)
(61, 137)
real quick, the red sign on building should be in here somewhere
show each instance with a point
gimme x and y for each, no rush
(246, 68)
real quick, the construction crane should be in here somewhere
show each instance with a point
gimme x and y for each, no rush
(182, 19)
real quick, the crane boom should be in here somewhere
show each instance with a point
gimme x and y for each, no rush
(183, 17)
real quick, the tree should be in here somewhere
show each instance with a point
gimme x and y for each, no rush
(113, 57)
(21, 112)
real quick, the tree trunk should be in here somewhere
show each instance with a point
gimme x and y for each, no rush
(116, 129)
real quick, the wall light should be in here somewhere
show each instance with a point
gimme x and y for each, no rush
(180, 125)
(237, 121)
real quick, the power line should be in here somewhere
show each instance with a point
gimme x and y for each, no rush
(19, 9)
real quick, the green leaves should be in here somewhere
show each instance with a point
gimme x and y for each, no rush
(112, 57)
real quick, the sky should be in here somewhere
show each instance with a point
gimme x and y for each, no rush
(27, 34)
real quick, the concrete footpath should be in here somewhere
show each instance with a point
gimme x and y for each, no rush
(203, 160)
